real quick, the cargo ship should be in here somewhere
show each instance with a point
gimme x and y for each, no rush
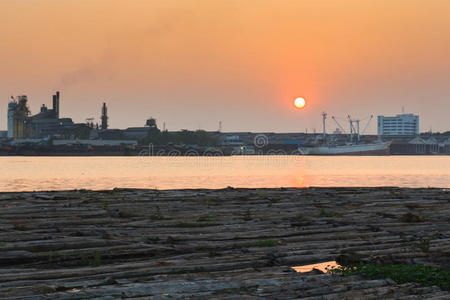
(380, 148)
(329, 146)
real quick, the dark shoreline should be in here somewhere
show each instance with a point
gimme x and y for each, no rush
(242, 189)
(227, 243)
(135, 154)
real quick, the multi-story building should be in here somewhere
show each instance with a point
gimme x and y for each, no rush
(404, 124)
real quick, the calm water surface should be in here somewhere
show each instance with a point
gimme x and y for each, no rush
(60, 173)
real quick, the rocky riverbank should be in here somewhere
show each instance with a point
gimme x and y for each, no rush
(218, 244)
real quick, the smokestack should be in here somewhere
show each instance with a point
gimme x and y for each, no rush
(104, 117)
(54, 103)
(57, 104)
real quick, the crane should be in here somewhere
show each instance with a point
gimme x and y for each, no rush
(353, 129)
(356, 130)
(367, 125)
(343, 130)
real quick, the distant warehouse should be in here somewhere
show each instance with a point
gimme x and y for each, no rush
(404, 124)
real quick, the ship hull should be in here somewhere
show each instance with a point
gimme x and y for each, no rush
(362, 149)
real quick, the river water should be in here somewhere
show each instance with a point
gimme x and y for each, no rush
(62, 173)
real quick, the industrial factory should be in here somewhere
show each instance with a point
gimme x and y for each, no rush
(26, 128)
(47, 123)
(47, 133)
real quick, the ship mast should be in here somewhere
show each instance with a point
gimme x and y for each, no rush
(324, 117)
(357, 128)
(353, 130)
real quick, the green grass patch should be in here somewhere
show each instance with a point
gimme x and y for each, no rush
(247, 215)
(205, 219)
(265, 243)
(92, 259)
(52, 254)
(422, 245)
(105, 205)
(424, 275)
(327, 213)
(158, 215)
(208, 203)
(188, 225)
(124, 213)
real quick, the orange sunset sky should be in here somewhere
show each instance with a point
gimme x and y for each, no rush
(192, 64)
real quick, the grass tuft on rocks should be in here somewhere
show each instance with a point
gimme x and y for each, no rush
(400, 273)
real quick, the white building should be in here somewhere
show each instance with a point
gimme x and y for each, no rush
(404, 124)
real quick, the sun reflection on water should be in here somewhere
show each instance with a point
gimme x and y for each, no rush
(323, 266)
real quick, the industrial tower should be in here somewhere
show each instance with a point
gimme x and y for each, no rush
(104, 117)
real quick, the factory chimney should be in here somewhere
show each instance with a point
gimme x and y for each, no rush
(104, 117)
(56, 104)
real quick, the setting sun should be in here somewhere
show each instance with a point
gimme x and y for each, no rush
(299, 102)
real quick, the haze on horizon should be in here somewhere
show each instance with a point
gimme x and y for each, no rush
(192, 64)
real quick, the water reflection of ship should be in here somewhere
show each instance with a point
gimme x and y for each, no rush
(329, 145)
